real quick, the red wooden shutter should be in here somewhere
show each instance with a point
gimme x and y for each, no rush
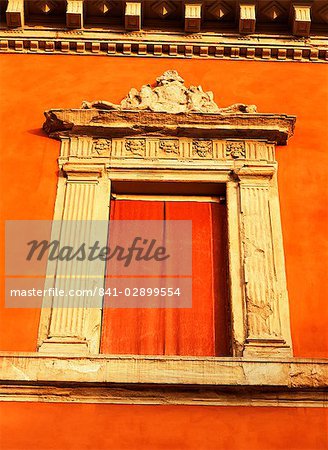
(198, 331)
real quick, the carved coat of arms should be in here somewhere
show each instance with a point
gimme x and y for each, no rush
(170, 95)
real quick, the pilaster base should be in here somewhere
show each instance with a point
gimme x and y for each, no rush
(64, 346)
(267, 348)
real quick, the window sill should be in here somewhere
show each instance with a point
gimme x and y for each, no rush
(126, 379)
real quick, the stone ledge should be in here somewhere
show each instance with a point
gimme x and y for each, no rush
(162, 395)
(163, 380)
(110, 123)
(169, 370)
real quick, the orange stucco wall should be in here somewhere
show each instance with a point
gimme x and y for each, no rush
(30, 84)
(120, 427)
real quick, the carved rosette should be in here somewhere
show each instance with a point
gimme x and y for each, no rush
(169, 147)
(136, 147)
(102, 147)
(202, 148)
(236, 150)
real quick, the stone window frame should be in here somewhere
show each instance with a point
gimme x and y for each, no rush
(99, 147)
(239, 151)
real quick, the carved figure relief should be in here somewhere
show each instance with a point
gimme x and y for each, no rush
(169, 146)
(136, 146)
(236, 150)
(102, 147)
(202, 148)
(172, 96)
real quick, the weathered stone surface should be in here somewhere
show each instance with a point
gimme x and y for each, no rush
(158, 380)
(112, 123)
(169, 109)
(164, 369)
(170, 95)
(149, 137)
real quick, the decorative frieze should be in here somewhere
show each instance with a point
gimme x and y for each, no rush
(153, 149)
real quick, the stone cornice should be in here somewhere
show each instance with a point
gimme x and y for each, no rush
(103, 123)
(282, 30)
(163, 380)
(171, 45)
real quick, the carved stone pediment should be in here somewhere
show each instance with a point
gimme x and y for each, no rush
(170, 95)
(169, 109)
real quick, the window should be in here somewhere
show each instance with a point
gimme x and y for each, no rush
(202, 330)
(190, 153)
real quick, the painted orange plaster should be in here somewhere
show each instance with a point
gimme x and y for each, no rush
(41, 426)
(30, 84)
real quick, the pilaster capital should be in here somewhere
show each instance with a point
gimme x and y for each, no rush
(88, 172)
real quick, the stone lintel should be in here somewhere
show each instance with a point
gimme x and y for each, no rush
(110, 123)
